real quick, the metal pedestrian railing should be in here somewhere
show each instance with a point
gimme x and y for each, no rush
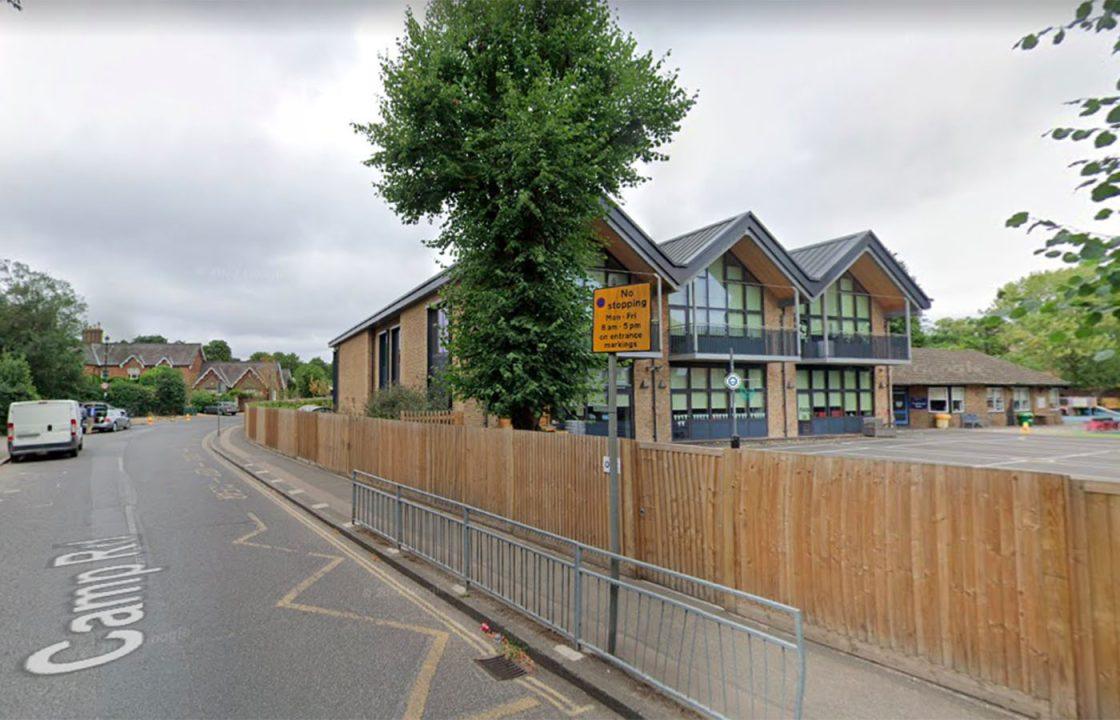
(714, 663)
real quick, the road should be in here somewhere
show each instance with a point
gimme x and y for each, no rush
(147, 578)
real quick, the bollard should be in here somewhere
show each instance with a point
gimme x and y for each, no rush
(151, 420)
(1025, 427)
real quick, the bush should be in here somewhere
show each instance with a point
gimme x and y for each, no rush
(311, 380)
(390, 402)
(136, 398)
(89, 390)
(170, 390)
(16, 384)
(201, 398)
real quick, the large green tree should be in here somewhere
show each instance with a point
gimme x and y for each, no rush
(510, 121)
(41, 319)
(1093, 292)
(169, 390)
(217, 350)
(149, 339)
(16, 384)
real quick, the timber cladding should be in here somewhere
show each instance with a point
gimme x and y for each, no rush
(1001, 584)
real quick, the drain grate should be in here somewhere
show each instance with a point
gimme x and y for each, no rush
(500, 667)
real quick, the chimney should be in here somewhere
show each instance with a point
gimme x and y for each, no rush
(93, 335)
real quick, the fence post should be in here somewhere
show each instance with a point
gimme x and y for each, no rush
(353, 497)
(577, 603)
(465, 547)
(397, 513)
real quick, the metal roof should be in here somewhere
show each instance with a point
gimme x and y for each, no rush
(816, 259)
(683, 248)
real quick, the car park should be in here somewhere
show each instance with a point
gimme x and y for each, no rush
(40, 427)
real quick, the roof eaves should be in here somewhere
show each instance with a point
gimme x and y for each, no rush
(428, 286)
(643, 244)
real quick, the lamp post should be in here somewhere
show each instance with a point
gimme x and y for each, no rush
(104, 366)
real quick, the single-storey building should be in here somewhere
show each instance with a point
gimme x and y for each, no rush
(814, 331)
(968, 382)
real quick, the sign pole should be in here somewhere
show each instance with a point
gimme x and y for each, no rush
(612, 455)
(734, 414)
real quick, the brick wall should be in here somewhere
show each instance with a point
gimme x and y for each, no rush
(414, 346)
(355, 356)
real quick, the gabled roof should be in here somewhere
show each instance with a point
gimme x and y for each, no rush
(696, 250)
(230, 372)
(939, 366)
(148, 354)
(828, 260)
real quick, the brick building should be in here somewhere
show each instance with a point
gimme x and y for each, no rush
(968, 382)
(811, 331)
(129, 360)
(109, 360)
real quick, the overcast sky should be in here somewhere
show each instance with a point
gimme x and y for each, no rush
(189, 168)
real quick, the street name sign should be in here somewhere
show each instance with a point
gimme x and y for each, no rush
(622, 319)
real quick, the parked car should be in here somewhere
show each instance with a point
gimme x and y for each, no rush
(112, 420)
(1096, 412)
(314, 408)
(39, 427)
(224, 407)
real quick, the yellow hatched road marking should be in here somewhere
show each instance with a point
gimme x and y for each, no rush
(506, 709)
(549, 694)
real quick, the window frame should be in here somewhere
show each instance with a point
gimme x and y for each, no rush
(856, 323)
(1018, 405)
(685, 304)
(995, 399)
(834, 388)
(942, 398)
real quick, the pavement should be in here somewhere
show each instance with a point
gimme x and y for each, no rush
(150, 578)
(1078, 453)
(838, 685)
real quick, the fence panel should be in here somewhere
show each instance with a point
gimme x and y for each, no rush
(1002, 584)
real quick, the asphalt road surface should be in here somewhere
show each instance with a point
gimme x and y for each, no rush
(146, 578)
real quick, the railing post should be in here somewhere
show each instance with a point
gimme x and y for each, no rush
(353, 497)
(397, 514)
(800, 634)
(465, 548)
(577, 601)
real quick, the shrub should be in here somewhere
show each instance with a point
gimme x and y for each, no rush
(201, 398)
(170, 390)
(391, 401)
(16, 384)
(311, 380)
(296, 403)
(136, 398)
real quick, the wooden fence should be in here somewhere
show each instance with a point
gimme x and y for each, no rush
(433, 417)
(999, 583)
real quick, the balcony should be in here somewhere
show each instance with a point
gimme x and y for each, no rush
(857, 347)
(718, 340)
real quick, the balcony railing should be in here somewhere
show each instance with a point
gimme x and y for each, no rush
(868, 347)
(719, 339)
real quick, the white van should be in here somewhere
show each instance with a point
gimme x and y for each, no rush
(44, 426)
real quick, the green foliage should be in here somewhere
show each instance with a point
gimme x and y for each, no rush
(311, 381)
(261, 355)
(201, 398)
(510, 121)
(41, 319)
(137, 398)
(16, 384)
(170, 390)
(149, 339)
(1093, 292)
(391, 401)
(1050, 337)
(217, 350)
(89, 389)
(288, 361)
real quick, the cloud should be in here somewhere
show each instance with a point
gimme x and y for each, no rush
(191, 170)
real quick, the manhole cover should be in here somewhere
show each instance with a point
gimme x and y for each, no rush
(501, 668)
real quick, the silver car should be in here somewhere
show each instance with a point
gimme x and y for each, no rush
(113, 420)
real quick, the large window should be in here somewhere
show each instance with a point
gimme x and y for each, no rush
(946, 399)
(849, 310)
(437, 333)
(389, 357)
(995, 399)
(609, 273)
(1055, 398)
(725, 299)
(834, 392)
(1020, 399)
(701, 402)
